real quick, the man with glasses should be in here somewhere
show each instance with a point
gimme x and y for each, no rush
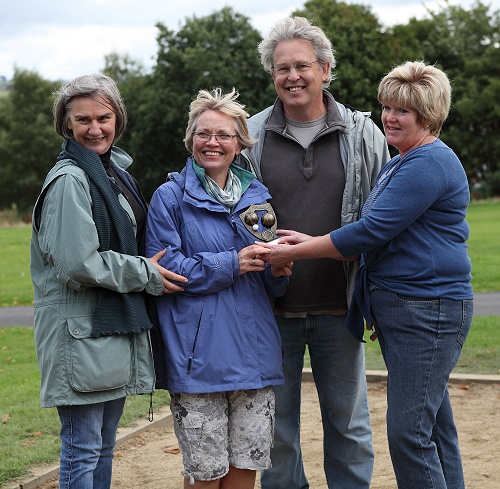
(319, 160)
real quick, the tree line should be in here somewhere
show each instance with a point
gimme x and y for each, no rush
(221, 50)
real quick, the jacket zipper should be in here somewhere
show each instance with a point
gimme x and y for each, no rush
(236, 233)
(190, 361)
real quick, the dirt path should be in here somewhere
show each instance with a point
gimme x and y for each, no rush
(151, 459)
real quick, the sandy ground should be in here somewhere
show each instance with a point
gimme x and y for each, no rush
(151, 460)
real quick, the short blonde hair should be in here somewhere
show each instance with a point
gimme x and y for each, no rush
(420, 87)
(218, 101)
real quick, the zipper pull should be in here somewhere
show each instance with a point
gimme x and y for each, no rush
(236, 233)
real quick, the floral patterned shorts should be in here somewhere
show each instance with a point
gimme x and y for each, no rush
(219, 429)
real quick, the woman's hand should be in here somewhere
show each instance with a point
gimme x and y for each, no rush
(250, 258)
(284, 271)
(167, 276)
(287, 236)
(280, 256)
(298, 246)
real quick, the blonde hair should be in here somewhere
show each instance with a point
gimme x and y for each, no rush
(420, 87)
(225, 103)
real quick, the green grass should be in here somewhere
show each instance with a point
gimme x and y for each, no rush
(29, 435)
(481, 353)
(484, 218)
(15, 281)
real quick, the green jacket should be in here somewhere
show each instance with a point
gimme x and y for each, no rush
(65, 268)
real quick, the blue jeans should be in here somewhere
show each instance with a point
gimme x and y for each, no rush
(421, 341)
(338, 365)
(88, 436)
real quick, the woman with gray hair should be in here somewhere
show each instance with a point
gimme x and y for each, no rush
(91, 281)
(221, 342)
(413, 286)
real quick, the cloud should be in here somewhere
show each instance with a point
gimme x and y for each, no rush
(70, 51)
(61, 39)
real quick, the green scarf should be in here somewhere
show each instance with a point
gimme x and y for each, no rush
(238, 181)
(115, 312)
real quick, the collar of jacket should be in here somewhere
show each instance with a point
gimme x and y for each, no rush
(195, 194)
(334, 119)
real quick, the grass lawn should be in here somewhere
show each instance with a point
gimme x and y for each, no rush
(483, 218)
(15, 281)
(29, 435)
(480, 355)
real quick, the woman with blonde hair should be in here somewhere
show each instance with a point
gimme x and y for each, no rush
(221, 342)
(413, 285)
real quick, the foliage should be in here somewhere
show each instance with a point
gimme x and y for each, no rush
(122, 68)
(361, 49)
(214, 51)
(221, 50)
(492, 184)
(30, 435)
(466, 45)
(28, 144)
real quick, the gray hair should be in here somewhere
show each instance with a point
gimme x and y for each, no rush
(225, 103)
(421, 87)
(98, 87)
(291, 28)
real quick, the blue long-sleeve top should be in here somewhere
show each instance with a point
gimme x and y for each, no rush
(414, 233)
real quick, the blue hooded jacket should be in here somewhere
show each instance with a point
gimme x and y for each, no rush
(220, 333)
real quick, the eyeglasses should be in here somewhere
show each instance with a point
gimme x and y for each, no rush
(282, 70)
(220, 138)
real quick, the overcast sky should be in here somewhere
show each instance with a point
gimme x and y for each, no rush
(60, 39)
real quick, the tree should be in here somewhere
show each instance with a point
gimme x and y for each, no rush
(28, 143)
(122, 68)
(219, 50)
(361, 50)
(466, 45)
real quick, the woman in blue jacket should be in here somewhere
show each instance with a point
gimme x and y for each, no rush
(414, 282)
(221, 343)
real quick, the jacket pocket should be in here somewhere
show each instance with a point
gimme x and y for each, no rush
(97, 364)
